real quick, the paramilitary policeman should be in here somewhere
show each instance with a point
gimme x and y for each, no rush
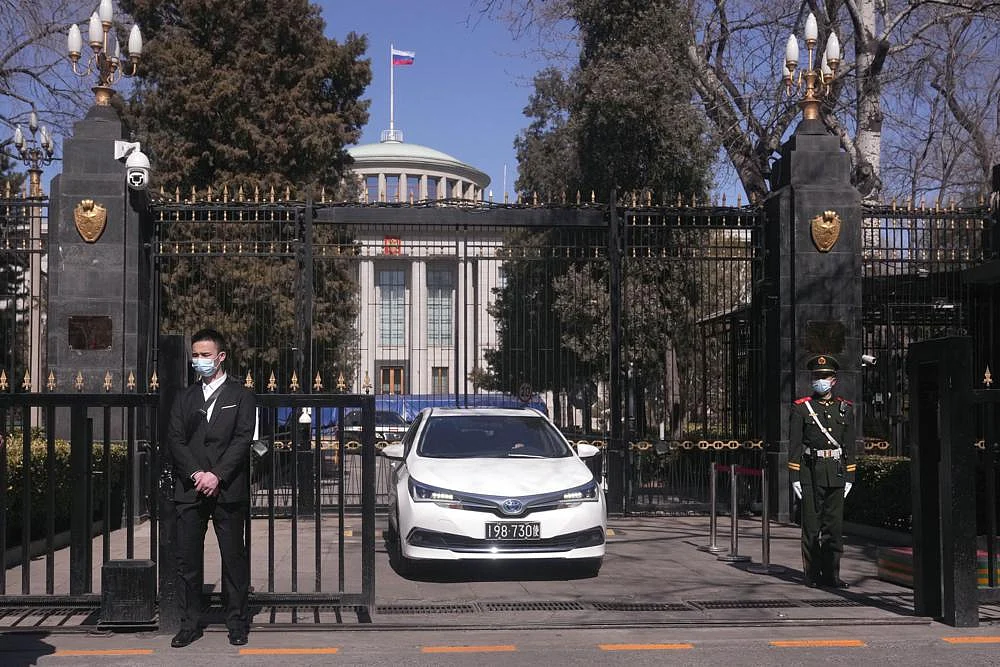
(821, 465)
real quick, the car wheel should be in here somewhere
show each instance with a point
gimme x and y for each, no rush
(587, 568)
(403, 566)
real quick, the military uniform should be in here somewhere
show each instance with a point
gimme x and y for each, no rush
(823, 463)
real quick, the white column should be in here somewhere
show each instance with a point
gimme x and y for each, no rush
(417, 354)
(381, 187)
(423, 186)
(367, 325)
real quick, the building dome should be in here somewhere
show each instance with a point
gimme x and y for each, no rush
(398, 171)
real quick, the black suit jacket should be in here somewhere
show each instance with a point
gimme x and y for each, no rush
(220, 445)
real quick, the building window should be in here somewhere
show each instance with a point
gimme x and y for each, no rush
(391, 380)
(371, 188)
(391, 307)
(440, 293)
(412, 188)
(432, 188)
(392, 187)
(439, 380)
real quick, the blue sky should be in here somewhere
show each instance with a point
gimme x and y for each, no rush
(464, 94)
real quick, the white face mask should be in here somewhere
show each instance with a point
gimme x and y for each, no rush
(204, 367)
(822, 385)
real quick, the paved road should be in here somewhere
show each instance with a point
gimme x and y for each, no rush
(927, 644)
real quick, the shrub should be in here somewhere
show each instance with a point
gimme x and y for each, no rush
(62, 481)
(881, 496)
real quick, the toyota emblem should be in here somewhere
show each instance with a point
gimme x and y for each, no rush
(512, 506)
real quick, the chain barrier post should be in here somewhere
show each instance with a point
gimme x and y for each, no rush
(734, 529)
(764, 567)
(712, 547)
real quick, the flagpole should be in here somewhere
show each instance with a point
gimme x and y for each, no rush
(392, 92)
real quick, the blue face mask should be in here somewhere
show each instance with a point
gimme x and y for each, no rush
(203, 367)
(822, 385)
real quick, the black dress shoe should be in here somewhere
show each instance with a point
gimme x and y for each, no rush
(811, 583)
(238, 637)
(185, 637)
(841, 584)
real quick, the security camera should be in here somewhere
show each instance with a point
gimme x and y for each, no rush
(137, 170)
(868, 360)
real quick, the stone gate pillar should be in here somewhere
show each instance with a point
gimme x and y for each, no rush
(98, 300)
(812, 282)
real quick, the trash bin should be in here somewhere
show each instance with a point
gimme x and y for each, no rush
(128, 592)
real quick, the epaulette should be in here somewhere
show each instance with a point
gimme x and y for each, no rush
(800, 401)
(844, 400)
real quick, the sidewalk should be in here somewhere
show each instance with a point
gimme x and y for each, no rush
(653, 574)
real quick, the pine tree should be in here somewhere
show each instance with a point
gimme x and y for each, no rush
(246, 92)
(251, 93)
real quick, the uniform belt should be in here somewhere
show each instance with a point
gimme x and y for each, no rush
(823, 453)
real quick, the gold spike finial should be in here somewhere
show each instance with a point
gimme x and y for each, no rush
(341, 383)
(107, 381)
(130, 384)
(294, 384)
(272, 383)
(3, 381)
(987, 378)
(248, 381)
(51, 384)
(78, 383)
(26, 382)
(154, 382)
(318, 383)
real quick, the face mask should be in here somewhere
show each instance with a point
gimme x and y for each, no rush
(204, 367)
(822, 385)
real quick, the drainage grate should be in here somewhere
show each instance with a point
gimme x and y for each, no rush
(425, 609)
(532, 606)
(744, 604)
(642, 606)
(832, 603)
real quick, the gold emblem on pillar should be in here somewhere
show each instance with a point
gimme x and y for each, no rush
(825, 230)
(90, 219)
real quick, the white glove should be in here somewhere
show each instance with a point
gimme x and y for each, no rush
(847, 488)
(797, 488)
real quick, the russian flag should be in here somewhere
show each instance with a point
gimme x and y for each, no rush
(402, 57)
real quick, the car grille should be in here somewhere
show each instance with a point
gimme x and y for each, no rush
(459, 543)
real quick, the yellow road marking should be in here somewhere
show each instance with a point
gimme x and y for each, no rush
(643, 647)
(972, 640)
(122, 651)
(288, 651)
(501, 648)
(818, 643)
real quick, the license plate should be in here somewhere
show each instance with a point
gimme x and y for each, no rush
(514, 530)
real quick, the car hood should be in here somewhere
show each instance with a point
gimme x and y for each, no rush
(500, 477)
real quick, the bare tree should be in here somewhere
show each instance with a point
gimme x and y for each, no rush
(918, 84)
(34, 70)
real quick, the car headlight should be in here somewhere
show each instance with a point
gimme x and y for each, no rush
(426, 493)
(581, 494)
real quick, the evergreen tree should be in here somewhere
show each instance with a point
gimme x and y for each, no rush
(246, 92)
(252, 94)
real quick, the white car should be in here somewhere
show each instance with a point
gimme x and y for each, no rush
(490, 484)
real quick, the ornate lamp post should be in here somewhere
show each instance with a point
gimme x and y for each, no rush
(105, 61)
(36, 152)
(814, 82)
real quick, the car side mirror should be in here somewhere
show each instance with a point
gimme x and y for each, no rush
(585, 450)
(393, 451)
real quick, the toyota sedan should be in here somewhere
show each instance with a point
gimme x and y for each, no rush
(490, 484)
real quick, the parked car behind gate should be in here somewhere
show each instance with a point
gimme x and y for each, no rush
(490, 484)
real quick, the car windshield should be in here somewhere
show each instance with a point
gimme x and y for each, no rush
(382, 418)
(490, 436)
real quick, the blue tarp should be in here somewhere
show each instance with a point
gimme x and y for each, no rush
(409, 405)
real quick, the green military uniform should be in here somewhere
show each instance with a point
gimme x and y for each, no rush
(823, 467)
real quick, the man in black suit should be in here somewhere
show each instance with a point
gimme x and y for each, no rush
(211, 427)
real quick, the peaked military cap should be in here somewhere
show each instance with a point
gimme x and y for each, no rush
(823, 363)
